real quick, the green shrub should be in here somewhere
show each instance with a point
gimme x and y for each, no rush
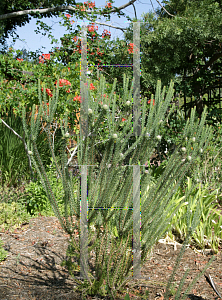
(12, 216)
(3, 253)
(36, 199)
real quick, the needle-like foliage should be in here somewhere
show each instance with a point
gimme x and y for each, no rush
(110, 184)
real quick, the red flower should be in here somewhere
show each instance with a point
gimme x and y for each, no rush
(91, 5)
(46, 56)
(92, 87)
(75, 38)
(150, 101)
(106, 33)
(63, 82)
(109, 5)
(131, 45)
(92, 28)
(77, 98)
(68, 69)
(41, 60)
(99, 53)
(123, 119)
(130, 48)
(68, 16)
(48, 91)
(19, 59)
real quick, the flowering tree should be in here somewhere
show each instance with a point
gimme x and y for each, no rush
(20, 12)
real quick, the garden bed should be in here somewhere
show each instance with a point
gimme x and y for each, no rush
(32, 269)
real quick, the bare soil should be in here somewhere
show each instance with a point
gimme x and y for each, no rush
(35, 250)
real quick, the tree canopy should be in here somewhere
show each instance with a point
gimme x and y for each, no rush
(182, 41)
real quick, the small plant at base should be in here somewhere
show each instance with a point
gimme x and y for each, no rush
(198, 198)
(3, 252)
(36, 200)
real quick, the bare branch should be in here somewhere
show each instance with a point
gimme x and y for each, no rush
(58, 8)
(123, 29)
(215, 57)
(165, 9)
(134, 11)
(153, 7)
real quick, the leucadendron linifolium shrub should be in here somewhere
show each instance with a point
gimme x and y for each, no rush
(111, 185)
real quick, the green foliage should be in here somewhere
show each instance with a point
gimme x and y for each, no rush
(198, 198)
(12, 216)
(36, 200)
(14, 83)
(12, 152)
(185, 48)
(3, 252)
(13, 157)
(208, 170)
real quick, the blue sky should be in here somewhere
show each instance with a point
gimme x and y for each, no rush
(31, 41)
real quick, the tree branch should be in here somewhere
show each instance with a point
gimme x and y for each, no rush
(215, 57)
(165, 9)
(58, 8)
(134, 10)
(153, 8)
(123, 29)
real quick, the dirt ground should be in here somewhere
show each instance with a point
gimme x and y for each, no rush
(32, 269)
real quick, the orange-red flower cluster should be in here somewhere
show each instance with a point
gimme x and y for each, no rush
(63, 82)
(106, 33)
(45, 57)
(131, 45)
(49, 92)
(109, 5)
(92, 28)
(82, 7)
(92, 87)
(149, 101)
(19, 59)
(90, 4)
(68, 16)
(77, 46)
(77, 98)
(98, 52)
